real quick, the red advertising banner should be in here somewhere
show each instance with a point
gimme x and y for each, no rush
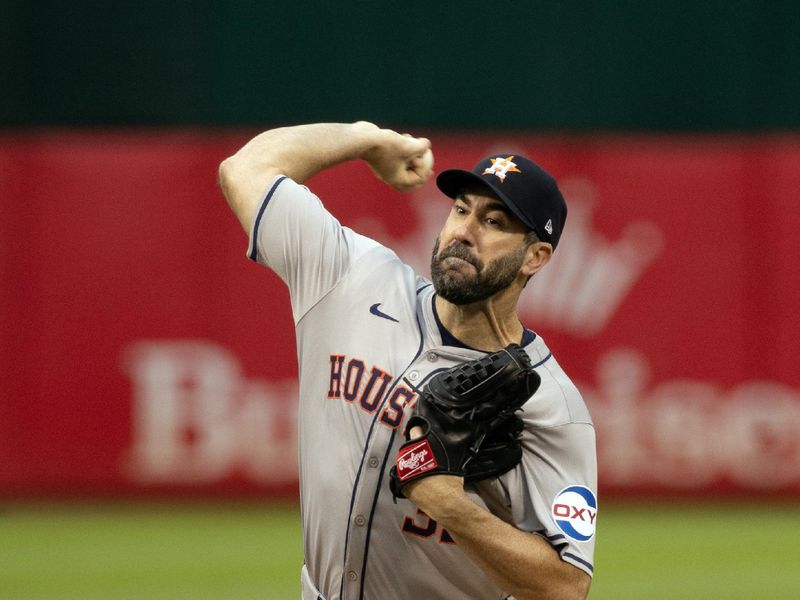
(141, 352)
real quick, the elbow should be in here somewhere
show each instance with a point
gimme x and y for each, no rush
(232, 179)
(582, 589)
(225, 175)
(572, 584)
(578, 588)
(578, 585)
(555, 593)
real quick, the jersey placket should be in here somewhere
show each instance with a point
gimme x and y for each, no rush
(363, 506)
(377, 461)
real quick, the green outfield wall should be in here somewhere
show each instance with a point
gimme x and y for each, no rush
(571, 65)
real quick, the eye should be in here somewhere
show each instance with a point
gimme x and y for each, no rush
(496, 222)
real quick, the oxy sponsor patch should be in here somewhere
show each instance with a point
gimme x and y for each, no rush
(575, 512)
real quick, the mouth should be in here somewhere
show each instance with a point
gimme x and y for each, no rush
(456, 262)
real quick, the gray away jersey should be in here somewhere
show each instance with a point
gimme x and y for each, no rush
(366, 338)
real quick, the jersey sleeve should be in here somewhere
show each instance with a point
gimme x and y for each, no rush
(297, 238)
(559, 481)
(552, 493)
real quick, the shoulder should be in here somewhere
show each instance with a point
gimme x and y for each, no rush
(283, 190)
(558, 400)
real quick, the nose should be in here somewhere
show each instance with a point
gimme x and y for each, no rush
(465, 232)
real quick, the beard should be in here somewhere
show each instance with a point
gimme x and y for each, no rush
(460, 289)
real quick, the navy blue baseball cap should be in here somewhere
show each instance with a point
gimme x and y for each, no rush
(529, 191)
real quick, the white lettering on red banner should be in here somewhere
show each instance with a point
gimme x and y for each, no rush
(197, 419)
(690, 434)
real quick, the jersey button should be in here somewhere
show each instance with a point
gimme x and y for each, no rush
(432, 357)
(360, 520)
(352, 576)
(413, 376)
(373, 461)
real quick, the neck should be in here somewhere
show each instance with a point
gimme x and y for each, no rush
(488, 325)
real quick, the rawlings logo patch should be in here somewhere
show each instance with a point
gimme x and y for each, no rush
(415, 459)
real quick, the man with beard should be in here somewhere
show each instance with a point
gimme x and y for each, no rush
(371, 333)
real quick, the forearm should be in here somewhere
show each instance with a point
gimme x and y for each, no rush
(520, 563)
(298, 152)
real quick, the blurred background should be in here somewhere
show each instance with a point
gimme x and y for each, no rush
(147, 369)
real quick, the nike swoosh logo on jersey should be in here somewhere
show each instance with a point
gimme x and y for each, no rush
(378, 313)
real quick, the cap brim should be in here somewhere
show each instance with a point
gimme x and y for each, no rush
(454, 181)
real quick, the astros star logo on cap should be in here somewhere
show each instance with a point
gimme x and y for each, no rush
(501, 167)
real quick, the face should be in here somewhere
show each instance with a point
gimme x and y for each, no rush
(479, 252)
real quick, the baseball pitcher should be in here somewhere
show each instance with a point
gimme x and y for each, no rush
(443, 451)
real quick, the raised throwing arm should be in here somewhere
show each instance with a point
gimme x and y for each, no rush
(301, 151)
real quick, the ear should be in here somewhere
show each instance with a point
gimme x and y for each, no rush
(537, 256)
